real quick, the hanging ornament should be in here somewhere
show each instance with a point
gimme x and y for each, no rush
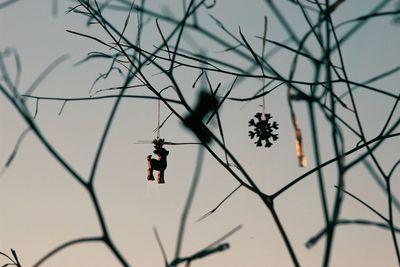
(263, 129)
(299, 144)
(159, 164)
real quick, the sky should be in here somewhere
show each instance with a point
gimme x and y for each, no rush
(42, 206)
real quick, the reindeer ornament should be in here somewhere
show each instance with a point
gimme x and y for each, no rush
(159, 164)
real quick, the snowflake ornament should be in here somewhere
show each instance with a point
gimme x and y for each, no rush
(263, 129)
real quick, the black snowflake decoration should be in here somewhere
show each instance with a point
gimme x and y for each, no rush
(263, 129)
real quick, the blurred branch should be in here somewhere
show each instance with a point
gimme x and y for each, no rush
(6, 3)
(66, 245)
(14, 261)
(314, 239)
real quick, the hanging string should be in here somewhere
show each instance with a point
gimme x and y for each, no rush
(262, 55)
(159, 125)
(263, 99)
(158, 118)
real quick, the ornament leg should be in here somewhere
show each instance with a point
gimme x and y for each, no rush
(150, 176)
(160, 177)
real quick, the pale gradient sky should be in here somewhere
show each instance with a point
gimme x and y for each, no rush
(42, 206)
